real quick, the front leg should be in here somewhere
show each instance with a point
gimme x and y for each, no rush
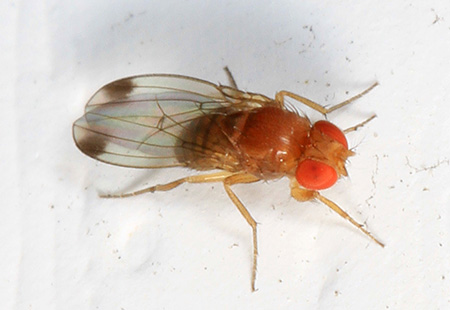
(302, 194)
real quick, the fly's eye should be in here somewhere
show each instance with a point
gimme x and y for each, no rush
(331, 131)
(315, 175)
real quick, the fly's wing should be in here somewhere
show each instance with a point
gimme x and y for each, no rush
(139, 121)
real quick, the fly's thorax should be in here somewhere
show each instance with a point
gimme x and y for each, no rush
(270, 140)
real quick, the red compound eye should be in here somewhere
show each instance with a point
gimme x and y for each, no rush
(315, 175)
(331, 131)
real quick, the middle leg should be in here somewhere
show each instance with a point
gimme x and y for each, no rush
(237, 179)
(279, 98)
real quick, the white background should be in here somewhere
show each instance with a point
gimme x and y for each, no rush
(62, 247)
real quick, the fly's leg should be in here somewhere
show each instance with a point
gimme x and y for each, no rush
(204, 178)
(302, 194)
(279, 98)
(237, 179)
(354, 128)
(230, 77)
(228, 179)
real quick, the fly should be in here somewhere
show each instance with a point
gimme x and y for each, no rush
(162, 121)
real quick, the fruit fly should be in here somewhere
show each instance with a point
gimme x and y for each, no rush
(162, 120)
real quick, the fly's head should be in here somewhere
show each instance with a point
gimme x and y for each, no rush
(324, 158)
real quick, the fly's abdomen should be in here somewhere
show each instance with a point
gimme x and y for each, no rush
(207, 144)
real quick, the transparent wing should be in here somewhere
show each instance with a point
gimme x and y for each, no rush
(139, 121)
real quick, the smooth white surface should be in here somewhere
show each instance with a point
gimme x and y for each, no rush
(65, 248)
